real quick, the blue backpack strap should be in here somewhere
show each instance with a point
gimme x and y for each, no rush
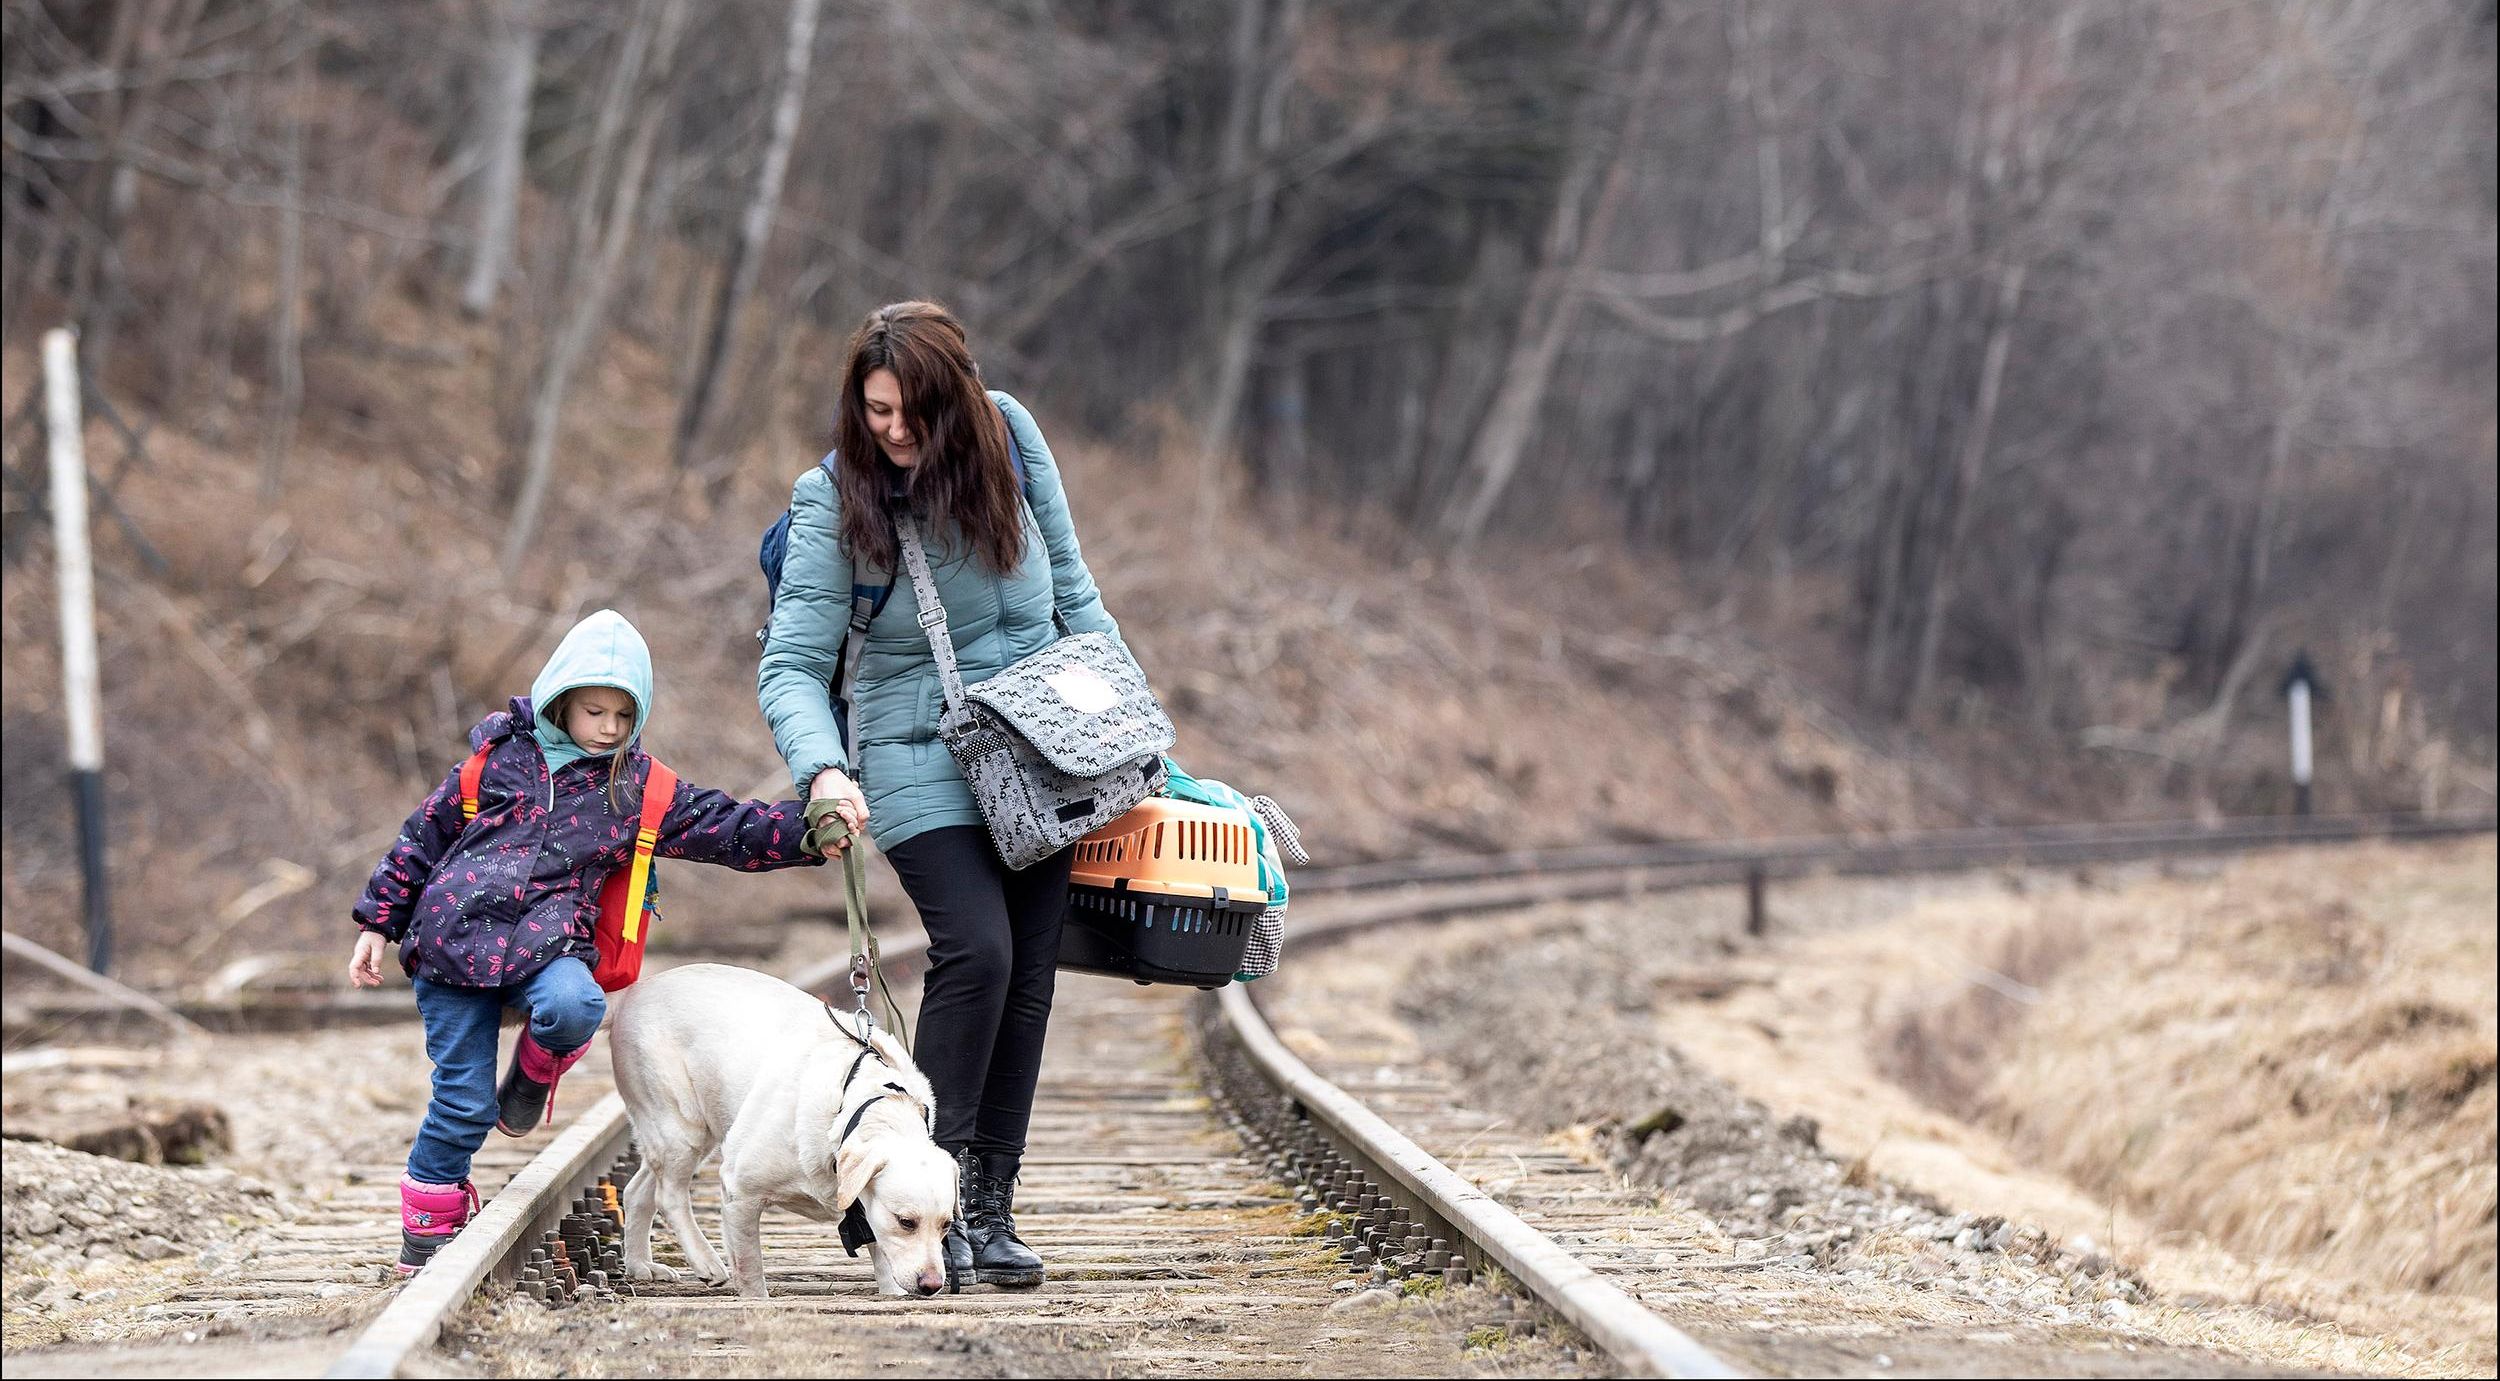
(875, 595)
(1015, 448)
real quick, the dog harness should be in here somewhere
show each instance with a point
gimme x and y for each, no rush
(856, 1233)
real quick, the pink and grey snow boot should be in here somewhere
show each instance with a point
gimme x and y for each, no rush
(428, 1216)
(528, 1090)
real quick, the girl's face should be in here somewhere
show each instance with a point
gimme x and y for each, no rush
(883, 394)
(599, 718)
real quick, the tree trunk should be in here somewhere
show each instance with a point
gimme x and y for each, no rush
(586, 306)
(142, 30)
(1242, 258)
(286, 350)
(746, 253)
(1965, 492)
(2254, 552)
(1573, 239)
(505, 135)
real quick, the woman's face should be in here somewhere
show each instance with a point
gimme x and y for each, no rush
(884, 396)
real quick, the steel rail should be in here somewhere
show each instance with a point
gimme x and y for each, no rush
(1640, 1341)
(2050, 842)
(517, 1216)
(523, 1212)
(1635, 1336)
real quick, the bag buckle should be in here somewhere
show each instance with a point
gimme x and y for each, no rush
(931, 615)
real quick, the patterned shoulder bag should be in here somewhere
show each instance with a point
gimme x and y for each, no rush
(1055, 745)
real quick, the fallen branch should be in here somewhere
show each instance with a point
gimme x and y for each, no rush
(19, 947)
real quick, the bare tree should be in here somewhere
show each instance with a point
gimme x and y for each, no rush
(746, 251)
(2064, 363)
(286, 338)
(504, 141)
(1243, 256)
(650, 42)
(1575, 234)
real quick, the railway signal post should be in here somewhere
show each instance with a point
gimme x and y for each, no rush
(74, 573)
(2300, 687)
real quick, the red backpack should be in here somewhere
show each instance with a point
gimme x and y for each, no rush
(620, 933)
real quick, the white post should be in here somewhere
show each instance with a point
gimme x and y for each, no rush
(2298, 693)
(74, 572)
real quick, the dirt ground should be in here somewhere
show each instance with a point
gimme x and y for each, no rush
(2154, 1010)
(301, 1106)
(1749, 1079)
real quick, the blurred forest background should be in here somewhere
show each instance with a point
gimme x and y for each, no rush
(1510, 422)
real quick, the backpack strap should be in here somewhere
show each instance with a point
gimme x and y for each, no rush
(472, 773)
(658, 790)
(866, 600)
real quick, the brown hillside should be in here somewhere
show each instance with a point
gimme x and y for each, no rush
(284, 689)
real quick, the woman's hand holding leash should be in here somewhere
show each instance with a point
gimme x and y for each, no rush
(364, 967)
(836, 811)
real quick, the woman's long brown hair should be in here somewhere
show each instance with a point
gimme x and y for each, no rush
(964, 487)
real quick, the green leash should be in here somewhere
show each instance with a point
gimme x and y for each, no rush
(830, 830)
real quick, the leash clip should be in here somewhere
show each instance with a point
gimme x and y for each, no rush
(859, 988)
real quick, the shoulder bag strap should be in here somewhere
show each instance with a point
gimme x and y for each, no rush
(924, 587)
(932, 611)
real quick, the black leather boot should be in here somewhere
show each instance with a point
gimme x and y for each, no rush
(520, 1102)
(958, 1237)
(999, 1257)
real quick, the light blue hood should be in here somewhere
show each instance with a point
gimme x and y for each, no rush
(601, 650)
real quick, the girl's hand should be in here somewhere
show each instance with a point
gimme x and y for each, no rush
(364, 967)
(834, 793)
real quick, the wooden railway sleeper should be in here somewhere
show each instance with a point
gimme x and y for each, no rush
(1377, 1236)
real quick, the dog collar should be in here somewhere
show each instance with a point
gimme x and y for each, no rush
(855, 1230)
(867, 1052)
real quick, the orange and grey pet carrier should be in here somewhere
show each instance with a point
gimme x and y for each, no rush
(1167, 893)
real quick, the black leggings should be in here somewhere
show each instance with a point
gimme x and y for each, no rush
(993, 960)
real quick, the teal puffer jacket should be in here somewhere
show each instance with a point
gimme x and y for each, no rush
(911, 783)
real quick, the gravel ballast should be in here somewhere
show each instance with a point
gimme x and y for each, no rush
(66, 1208)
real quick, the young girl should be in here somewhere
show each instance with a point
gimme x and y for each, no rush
(498, 911)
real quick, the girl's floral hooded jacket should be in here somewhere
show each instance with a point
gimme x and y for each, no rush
(489, 904)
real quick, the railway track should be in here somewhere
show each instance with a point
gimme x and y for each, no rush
(1180, 1230)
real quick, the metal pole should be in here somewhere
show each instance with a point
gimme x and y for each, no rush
(74, 572)
(1757, 911)
(2299, 695)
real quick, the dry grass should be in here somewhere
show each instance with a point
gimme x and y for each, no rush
(2296, 1061)
(2236, 1078)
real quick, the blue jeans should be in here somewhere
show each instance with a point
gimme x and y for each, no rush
(564, 1008)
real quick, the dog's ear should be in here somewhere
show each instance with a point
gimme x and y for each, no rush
(855, 1163)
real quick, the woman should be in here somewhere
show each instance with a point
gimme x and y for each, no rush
(916, 433)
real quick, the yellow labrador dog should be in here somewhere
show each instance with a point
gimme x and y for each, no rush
(810, 1113)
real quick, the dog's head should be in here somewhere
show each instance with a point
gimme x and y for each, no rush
(886, 1162)
(906, 1186)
